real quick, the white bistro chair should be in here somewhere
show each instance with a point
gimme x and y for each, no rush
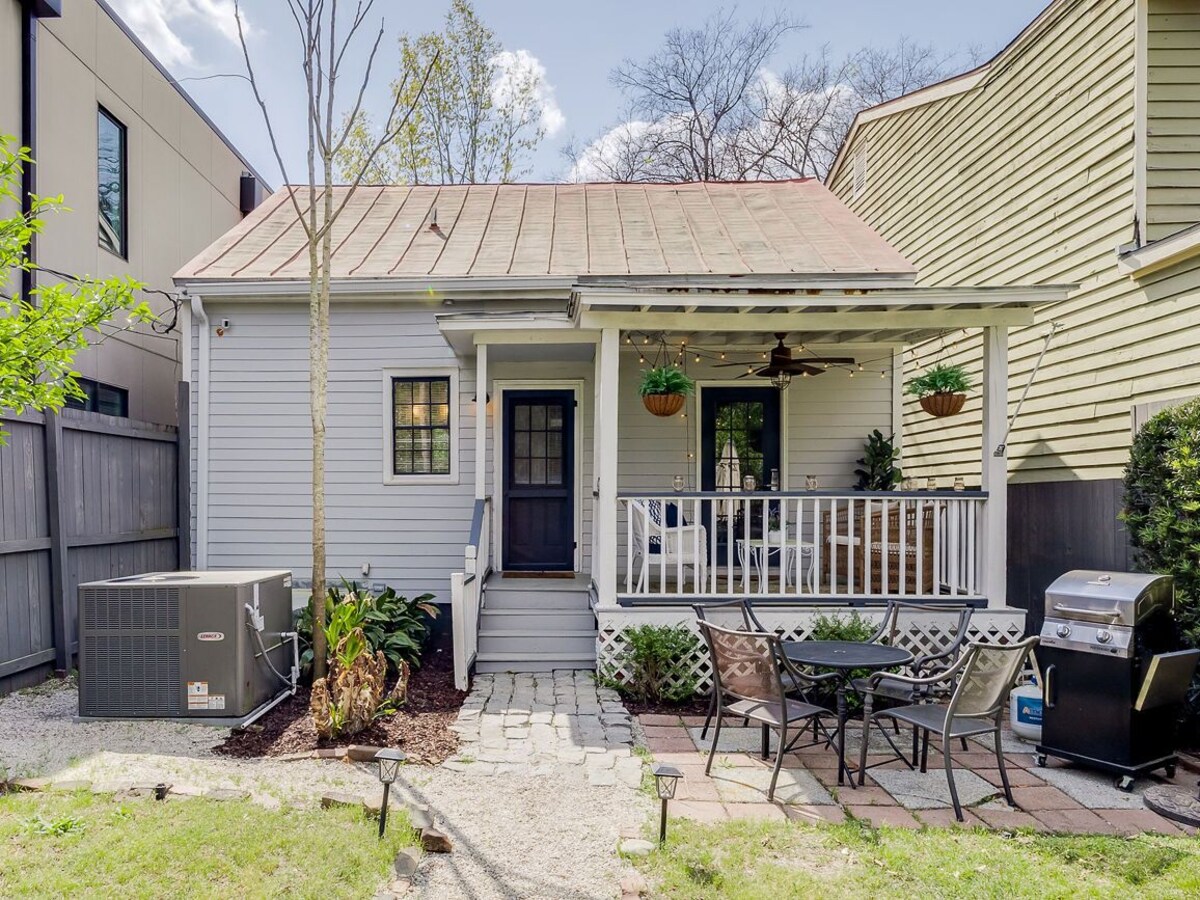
(656, 543)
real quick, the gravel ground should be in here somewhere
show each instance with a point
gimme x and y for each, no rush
(544, 833)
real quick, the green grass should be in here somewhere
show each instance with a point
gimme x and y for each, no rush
(751, 860)
(83, 845)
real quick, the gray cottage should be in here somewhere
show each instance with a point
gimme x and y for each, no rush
(487, 442)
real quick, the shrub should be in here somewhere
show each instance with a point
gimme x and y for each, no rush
(836, 628)
(352, 695)
(391, 623)
(656, 665)
(666, 380)
(939, 379)
(879, 472)
(1162, 506)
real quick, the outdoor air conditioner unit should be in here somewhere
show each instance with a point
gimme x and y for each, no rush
(218, 647)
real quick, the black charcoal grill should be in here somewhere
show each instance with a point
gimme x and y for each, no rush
(1114, 675)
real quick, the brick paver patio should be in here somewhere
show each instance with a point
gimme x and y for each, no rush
(1058, 798)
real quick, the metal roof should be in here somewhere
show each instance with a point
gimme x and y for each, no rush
(721, 229)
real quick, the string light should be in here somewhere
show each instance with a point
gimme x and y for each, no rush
(882, 374)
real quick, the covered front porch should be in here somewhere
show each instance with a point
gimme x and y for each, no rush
(640, 505)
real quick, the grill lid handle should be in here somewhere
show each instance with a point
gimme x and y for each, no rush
(1114, 614)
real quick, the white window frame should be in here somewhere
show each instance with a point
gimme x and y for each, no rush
(389, 424)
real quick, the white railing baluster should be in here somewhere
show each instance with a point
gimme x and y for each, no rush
(851, 554)
(868, 540)
(902, 569)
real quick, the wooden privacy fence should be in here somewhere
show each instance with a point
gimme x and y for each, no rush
(83, 496)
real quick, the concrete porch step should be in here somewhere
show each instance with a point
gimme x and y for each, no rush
(534, 594)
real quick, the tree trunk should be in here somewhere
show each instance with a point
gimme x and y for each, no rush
(317, 381)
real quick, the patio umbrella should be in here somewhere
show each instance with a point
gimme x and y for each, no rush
(729, 476)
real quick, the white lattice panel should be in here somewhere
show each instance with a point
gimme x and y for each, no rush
(927, 634)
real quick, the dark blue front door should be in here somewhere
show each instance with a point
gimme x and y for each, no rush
(539, 481)
(740, 427)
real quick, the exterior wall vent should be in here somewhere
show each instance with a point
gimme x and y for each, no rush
(860, 170)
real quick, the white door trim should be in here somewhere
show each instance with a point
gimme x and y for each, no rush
(499, 387)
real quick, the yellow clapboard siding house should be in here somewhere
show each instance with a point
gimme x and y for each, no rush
(1071, 157)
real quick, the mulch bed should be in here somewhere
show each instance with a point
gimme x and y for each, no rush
(421, 729)
(696, 707)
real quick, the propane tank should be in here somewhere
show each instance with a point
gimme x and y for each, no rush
(1025, 711)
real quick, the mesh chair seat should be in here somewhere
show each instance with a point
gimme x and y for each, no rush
(771, 713)
(933, 717)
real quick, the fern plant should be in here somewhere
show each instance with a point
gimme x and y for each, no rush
(943, 378)
(666, 380)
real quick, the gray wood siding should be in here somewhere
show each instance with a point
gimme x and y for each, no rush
(260, 448)
(1172, 117)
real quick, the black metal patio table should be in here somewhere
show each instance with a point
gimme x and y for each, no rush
(843, 657)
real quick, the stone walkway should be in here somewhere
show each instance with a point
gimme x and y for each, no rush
(526, 723)
(1057, 798)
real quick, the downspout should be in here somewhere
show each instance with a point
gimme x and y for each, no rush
(201, 440)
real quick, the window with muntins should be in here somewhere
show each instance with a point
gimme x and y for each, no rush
(421, 426)
(112, 184)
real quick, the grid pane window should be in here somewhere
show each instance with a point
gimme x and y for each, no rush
(101, 398)
(112, 191)
(537, 444)
(421, 426)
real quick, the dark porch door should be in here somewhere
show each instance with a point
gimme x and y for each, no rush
(539, 481)
(740, 427)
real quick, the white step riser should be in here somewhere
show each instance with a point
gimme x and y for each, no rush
(535, 600)
(485, 667)
(537, 643)
(536, 621)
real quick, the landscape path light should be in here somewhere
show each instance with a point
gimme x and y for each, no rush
(389, 766)
(666, 779)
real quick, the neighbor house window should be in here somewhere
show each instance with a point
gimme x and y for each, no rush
(112, 184)
(101, 398)
(422, 425)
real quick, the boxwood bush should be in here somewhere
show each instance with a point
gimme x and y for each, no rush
(1162, 506)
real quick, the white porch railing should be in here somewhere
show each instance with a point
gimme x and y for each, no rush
(810, 545)
(466, 593)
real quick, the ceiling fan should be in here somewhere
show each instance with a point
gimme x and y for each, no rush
(782, 367)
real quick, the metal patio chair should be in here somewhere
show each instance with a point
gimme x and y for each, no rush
(747, 679)
(889, 692)
(985, 674)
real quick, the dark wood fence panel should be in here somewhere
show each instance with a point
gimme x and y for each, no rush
(83, 496)
(1057, 526)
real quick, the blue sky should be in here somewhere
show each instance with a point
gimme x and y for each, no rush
(577, 43)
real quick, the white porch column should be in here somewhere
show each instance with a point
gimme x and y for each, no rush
(604, 515)
(481, 393)
(994, 532)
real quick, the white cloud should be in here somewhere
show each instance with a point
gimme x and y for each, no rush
(605, 158)
(157, 23)
(521, 80)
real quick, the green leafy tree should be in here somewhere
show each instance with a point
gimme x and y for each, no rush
(40, 335)
(478, 118)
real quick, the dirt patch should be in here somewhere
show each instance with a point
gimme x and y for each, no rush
(421, 728)
(695, 707)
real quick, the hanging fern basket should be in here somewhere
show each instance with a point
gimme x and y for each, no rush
(663, 404)
(943, 403)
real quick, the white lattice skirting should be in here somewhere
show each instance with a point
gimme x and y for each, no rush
(929, 634)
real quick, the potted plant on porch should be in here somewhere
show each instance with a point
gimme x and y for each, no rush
(664, 390)
(942, 389)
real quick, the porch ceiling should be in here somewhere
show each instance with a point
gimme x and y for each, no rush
(886, 315)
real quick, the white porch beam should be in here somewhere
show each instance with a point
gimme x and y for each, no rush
(994, 530)
(535, 335)
(604, 514)
(872, 321)
(803, 296)
(481, 393)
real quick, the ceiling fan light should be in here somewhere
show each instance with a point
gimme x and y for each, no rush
(781, 380)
